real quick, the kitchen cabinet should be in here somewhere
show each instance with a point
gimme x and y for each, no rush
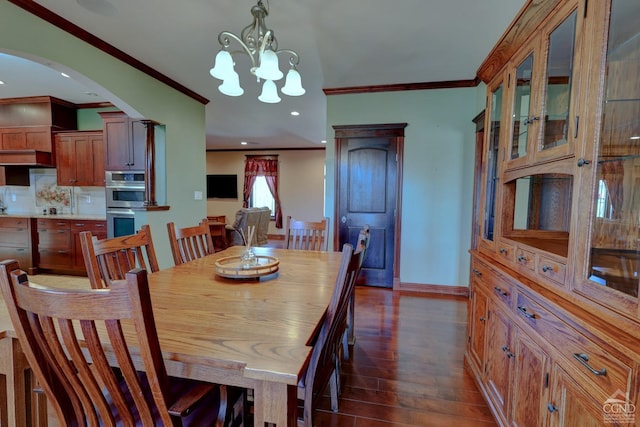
(80, 158)
(557, 258)
(125, 142)
(54, 244)
(59, 246)
(97, 228)
(15, 241)
(27, 126)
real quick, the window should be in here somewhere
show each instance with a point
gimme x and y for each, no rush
(261, 195)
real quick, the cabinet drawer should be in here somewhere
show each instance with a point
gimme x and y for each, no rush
(8, 222)
(507, 251)
(53, 224)
(52, 238)
(55, 258)
(577, 349)
(492, 282)
(14, 237)
(89, 225)
(551, 269)
(526, 258)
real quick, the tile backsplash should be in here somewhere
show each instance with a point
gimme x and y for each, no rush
(44, 193)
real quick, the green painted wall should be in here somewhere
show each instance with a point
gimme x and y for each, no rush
(437, 179)
(181, 143)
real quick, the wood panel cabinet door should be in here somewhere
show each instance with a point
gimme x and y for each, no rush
(125, 142)
(80, 159)
(530, 382)
(97, 228)
(478, 323)
(572, 406)
(499, 358)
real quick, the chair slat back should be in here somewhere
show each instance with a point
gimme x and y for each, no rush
(190, 243)
(110, 259)
(322, 363)
(307, 235)
(62, 333)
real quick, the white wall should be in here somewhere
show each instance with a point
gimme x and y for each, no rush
(301, 183)
(136, 93)
(438, 174)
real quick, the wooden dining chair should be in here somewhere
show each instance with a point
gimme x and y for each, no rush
(362, 245)
(110, 259)
(190, 243)
(321, 370)
(307, 235)
(63, 334)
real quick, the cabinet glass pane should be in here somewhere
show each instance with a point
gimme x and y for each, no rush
(542, 202)
(521, 108)
(558, 84)
(615, 239)
(492, 163)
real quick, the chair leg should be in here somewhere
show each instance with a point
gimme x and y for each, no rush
(345, 346)
(333, 391)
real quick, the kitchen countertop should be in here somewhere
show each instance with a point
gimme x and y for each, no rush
(57, 216)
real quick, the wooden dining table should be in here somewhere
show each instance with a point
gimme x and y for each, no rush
(250, 333)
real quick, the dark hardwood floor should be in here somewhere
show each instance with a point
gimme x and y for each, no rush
(407, 365)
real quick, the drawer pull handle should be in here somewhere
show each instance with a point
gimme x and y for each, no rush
(500, 291)
(503, 251)
(522, 258)
(525, 313)
(584, 359)
(482, 319)
(546, 268)
(551, 408)
(508, 351)
(477, 272)
(79, 224)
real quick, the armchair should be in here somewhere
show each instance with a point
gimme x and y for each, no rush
(245, 217)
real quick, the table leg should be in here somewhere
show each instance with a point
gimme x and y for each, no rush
(14, 367)
(275, 404)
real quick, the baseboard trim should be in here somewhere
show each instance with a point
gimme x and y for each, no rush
(434, 289)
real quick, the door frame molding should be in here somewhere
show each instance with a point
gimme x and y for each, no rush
(392, 131)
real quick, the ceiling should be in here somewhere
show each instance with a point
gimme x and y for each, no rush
(340, 43)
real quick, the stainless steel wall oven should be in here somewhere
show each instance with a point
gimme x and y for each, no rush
(125, 191)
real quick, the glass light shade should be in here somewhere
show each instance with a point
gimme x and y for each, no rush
(222, 66)
(231, 85)
(293, 84)
(269, 93)
(269, 68)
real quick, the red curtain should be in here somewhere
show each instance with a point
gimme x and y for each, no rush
(267, 167)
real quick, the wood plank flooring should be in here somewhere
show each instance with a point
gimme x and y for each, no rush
(407, 365)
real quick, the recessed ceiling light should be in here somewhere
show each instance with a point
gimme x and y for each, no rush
(91, 93)
(243, 142)
(635, 137)
(295, 113)
(65, 75)
(1, 82)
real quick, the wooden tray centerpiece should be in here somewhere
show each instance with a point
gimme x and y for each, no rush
(248, 265)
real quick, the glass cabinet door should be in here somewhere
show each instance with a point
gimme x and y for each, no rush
(491, 163)
(521, 121)
(611, 270)
(555, 120)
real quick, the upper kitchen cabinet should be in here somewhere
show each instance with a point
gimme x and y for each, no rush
(544, 93)
(80, 158)
(608, 260)
(27, 126)
(125, 142)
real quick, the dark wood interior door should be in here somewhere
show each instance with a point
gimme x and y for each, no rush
(367, 191)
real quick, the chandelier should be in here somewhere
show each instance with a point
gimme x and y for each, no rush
(260, 44)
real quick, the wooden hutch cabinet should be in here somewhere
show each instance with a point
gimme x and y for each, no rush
(554, 317)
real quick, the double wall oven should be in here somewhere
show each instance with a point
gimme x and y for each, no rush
(125, 192)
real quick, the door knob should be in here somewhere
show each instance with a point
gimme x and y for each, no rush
(343, 219)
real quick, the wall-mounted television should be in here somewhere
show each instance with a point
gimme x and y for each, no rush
(222, 186)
